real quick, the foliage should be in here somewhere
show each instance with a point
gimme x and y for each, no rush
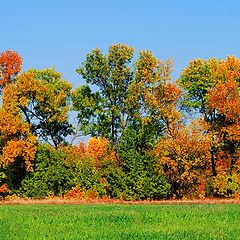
(17, 141)
(152, 93)
(74, 193)
(98, 150)
(43, 100)
(112, 75)
(184, 157)
(225, 99)
(226, 185)
(86, 104)
(92, 165)
(196, 79)
(92, 180)
(3, 191)
(49, 176)
(10, 66)
(214, 84)
(142, 144)
(139, 178)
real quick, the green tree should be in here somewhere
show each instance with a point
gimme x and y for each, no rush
(196, 79)
(126, 93)
(112, 75)
(139, 177)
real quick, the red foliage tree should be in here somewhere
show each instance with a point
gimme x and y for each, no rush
(10, 66)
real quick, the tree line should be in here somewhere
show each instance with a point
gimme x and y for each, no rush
(150, 137)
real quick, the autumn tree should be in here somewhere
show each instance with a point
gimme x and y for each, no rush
(10, 66)
(225, 100)
(35, 108)
(213, 86)
(196, 79)
(184, 158)
(43, 100)
(153, 94)
(18, 144)
(182, 153)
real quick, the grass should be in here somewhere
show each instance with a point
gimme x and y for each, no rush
(120, 221)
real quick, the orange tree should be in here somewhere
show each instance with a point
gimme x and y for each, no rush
(18, 144)
(34, 108)
(225, 100)
(212, 87)
(184, 157)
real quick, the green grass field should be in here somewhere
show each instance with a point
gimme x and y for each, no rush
(120, 222)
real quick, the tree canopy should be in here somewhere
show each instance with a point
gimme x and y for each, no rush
(142, 143)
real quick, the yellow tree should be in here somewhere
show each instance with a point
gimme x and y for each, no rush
(152, 93)
(43, 100)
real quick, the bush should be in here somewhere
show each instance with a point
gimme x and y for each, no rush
(75, 193)
(226, 185)
(49, 175)
(93, 179)
(3, 191)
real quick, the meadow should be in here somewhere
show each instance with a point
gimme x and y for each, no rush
(119, 221)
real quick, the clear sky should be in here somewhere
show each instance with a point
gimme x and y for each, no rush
(61, 32)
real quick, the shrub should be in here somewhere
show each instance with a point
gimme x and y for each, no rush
(74, 193)
(3, 191)
(92, 178)
(226, 185)
(49, 176)
(92, 165)
(185, 159)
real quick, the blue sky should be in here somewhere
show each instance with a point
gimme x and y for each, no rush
(60, 33)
